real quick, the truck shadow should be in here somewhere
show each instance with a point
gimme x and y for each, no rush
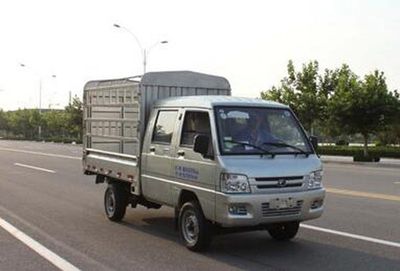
(257, 251)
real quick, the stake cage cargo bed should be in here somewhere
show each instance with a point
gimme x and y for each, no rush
(116, 113)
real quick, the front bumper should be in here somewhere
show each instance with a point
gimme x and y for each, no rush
(258, 211)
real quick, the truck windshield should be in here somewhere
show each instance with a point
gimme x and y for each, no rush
(255, 130)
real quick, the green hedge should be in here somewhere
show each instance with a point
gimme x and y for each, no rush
(388, 152)
(55, 139)
(362, 158)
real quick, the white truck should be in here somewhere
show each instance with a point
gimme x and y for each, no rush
(225, 164)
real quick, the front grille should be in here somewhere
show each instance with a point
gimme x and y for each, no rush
(274, 179)
(265, 186)
(276, 182)
(267, 212)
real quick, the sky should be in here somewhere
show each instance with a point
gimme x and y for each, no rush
(248, 42)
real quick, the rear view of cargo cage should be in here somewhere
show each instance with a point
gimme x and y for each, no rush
(179, 139)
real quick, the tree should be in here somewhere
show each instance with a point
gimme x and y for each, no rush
(328, 84)
(364, 107)
(54, 123)
(3, 121)
(391, 134)
(74, 113)
(303, 93)
(24, 122)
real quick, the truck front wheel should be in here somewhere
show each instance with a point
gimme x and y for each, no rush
(115, 202)
(194, 229)
(284, 231)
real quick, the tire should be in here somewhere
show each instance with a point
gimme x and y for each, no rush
(194, 229)
(284, 231)
(115, 202)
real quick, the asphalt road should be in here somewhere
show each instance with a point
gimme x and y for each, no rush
(63, 210)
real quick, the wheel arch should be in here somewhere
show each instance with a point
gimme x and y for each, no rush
(205, 200)
(186, 196)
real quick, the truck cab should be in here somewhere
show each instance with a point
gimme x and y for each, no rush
(247, 163)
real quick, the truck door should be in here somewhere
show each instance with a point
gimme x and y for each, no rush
(192, 170)
(156, 174)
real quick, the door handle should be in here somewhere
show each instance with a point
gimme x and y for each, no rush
(181, 153)
(152, 149)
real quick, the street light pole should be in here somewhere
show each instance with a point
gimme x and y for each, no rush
(144, 60)
(40, 96)
(40, 108)
(147, 51)
(144, 51)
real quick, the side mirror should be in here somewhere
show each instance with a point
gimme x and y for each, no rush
(314, 142)
(201, 143)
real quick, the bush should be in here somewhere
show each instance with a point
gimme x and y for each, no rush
(61, 139)
(362, 158)
(389, 152)
(342, 142)
(55, 139)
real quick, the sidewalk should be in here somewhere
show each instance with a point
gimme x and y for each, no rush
(384, 162)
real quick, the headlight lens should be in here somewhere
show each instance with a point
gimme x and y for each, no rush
(314, 179)
(234, 183)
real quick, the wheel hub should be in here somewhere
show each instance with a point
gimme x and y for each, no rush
(110, 203)
(190, 227)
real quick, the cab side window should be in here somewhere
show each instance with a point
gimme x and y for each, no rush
(164, 127)
(195, 123)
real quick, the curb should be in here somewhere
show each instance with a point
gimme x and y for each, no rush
(369, 164)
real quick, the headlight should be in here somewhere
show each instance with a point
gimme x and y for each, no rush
(234, 183)
(314, 179)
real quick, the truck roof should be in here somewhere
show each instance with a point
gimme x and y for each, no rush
(181, 79)
(210, 101)
(185, 79)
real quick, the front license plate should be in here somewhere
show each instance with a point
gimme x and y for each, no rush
(282, 203)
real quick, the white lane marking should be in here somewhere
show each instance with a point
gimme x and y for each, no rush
(77, 254)
(354, 236)
(42, 153)
(361, 194)
(38, 248)
(36, 168)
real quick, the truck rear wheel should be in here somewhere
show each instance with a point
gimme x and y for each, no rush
(284, 231)
(115, 201)
(194, 229)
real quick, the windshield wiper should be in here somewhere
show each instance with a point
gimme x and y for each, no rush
(251, 145)
(283, 144)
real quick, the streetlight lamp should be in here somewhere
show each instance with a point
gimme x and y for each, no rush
(145, 51)
(40, 93)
